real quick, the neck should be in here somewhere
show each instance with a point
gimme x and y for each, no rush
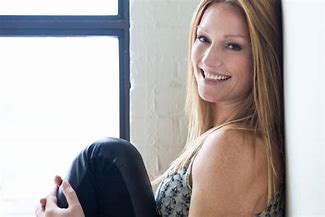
(224, 113)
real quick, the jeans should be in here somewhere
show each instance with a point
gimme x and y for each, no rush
(110, 180)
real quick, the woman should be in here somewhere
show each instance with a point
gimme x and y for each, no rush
(232, 164)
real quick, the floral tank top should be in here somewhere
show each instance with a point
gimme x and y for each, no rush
(173, 196)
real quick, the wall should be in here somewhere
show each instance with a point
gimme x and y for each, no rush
(304, 37)
(158, 50)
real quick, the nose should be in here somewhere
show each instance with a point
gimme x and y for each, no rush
(212, 57)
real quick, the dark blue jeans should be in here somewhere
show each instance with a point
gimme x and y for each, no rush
(110, 180)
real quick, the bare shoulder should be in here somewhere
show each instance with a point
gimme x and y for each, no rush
(229, 174)
(233, 146)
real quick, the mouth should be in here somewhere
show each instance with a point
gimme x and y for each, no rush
(214, 77)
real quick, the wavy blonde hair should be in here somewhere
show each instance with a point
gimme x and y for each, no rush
(262, 111)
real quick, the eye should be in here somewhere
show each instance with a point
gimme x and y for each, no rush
(202, 38)
(233, 46)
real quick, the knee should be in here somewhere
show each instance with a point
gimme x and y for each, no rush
(118, 150)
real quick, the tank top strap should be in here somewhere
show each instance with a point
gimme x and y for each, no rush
(188, 174)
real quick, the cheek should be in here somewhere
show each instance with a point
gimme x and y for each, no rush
(240, 66)
(193, 56)
(195, 60)
(196, 52)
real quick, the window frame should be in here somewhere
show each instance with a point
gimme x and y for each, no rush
(76, 26)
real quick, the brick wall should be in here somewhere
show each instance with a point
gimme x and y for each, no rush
(158, 49)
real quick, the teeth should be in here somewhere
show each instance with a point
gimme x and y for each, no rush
(216, 77)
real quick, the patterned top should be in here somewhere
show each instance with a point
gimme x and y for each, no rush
(173, 196)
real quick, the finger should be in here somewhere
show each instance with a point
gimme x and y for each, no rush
(54, 190)
(51, 200)
(39, 212)
(58, 180)
(42, 202)
(70, 194)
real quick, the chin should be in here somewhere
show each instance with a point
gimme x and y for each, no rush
(207, 98)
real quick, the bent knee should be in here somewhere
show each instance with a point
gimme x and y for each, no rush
(118, 149)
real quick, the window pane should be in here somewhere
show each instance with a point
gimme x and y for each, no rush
(57, 96)
(59, 7)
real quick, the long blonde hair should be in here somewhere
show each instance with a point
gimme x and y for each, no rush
(262, 111)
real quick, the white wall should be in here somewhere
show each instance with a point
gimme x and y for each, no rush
(158, 49)
(304, 25)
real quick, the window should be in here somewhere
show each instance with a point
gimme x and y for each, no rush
(64, 83)
(59, 7)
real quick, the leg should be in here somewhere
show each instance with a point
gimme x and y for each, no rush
(111, 181)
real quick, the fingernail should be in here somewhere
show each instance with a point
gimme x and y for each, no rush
(58, 178)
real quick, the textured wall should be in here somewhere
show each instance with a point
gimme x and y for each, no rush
(158, 49)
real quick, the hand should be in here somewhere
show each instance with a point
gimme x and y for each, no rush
(48, 206)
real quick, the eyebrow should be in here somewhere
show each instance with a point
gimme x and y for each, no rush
(226, 36)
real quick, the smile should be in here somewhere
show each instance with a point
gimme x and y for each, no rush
(214, 77)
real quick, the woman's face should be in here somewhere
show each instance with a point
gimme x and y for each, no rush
(221, 55)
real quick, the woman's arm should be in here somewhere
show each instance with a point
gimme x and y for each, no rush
(228, 176)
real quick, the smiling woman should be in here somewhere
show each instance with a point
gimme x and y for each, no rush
(235, 140)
